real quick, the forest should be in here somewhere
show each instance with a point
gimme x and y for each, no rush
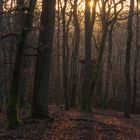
(69, 69)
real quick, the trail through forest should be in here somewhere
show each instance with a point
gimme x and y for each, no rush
(74, 125)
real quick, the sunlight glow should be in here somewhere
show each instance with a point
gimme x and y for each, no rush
(91, 4)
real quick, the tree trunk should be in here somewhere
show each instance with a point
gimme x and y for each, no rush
(20, 15)
(65, 68)
(108, 67)
(58, 55)
(1, 16)
(99, 86)
(1, 10)
(134, 97)
(75, 54)
(127, 102)
(98, 68)
(12, 111)
(19, 25)
(42, 74)
(86, 85)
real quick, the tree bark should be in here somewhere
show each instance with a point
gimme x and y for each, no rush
(19, 25)
(109, 58)
(1, 10)
(75, 54)
(86, 85)
(12, 110)
(58, 55)
(65, 68)
(127, 102)
(135, 82)
(100, 59)
(42, 74)
(1, 16)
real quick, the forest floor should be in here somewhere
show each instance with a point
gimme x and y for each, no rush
(74, 125)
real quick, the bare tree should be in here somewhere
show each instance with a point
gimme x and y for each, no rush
(14, 91)
(42, 74)
(90, 13)
(108, 17)
(135, 80)
(75, 53)
(127, 102)
(65, 55)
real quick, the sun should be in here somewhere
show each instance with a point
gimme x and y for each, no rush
(91, 4)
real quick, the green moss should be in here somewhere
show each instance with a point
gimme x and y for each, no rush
(86, 105)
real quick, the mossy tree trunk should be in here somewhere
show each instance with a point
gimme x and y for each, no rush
(12, 110)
